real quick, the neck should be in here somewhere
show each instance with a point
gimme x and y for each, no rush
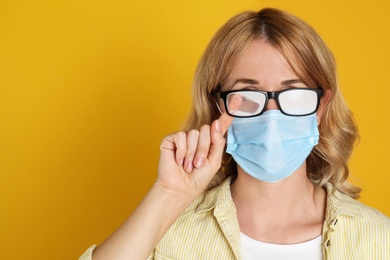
(267, 211)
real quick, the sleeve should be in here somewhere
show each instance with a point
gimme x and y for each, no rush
(88, 254)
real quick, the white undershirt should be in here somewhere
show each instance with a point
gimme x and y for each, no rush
(253, 249)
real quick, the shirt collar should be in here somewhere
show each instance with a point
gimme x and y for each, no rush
(340, 204)
(337, 202)
(218, 198)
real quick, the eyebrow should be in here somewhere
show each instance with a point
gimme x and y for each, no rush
(246, 81)
(292, 81)
(255, 82)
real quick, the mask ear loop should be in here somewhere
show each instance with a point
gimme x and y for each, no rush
(226, 155)
(218, 106)
(215, 95)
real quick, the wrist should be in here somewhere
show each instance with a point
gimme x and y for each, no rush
(176, 200)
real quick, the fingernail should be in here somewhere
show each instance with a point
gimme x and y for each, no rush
(189, 167)
(218, 126)
(199, 162)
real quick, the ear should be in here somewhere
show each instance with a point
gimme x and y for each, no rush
(324, 101)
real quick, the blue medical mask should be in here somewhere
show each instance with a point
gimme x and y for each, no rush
(272, 146)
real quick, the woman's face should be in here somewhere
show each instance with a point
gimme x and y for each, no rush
(261, 67)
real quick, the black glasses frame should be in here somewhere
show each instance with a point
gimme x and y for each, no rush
(268, 95)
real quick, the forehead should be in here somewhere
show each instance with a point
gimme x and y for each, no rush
(262, 62)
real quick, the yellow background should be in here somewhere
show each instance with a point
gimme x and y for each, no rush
(89, 88)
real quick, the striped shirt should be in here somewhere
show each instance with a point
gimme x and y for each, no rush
(209, 229)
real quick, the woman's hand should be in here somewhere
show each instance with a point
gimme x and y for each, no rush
(189, 160)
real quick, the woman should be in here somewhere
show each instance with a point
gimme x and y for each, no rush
(278, 189)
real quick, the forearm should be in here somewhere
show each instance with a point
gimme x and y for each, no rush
(138, 236)
(174, 190)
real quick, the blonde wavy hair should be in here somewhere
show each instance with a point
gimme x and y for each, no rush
(313, 63)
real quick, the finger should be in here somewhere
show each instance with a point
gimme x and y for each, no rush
(249, 106)
(203, 146)
(224, 121)
(235, 103)
(218, 129)
(180, 144)
(192, 144)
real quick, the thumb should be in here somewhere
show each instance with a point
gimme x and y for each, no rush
(224, 122)
(218, 130)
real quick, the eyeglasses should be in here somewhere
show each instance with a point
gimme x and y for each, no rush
(250, 103)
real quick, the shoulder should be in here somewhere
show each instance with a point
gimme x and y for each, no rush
(371, 217)
(210, 200)
(193, 222)
(201, 230)
(354, 230)
(357, 214)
